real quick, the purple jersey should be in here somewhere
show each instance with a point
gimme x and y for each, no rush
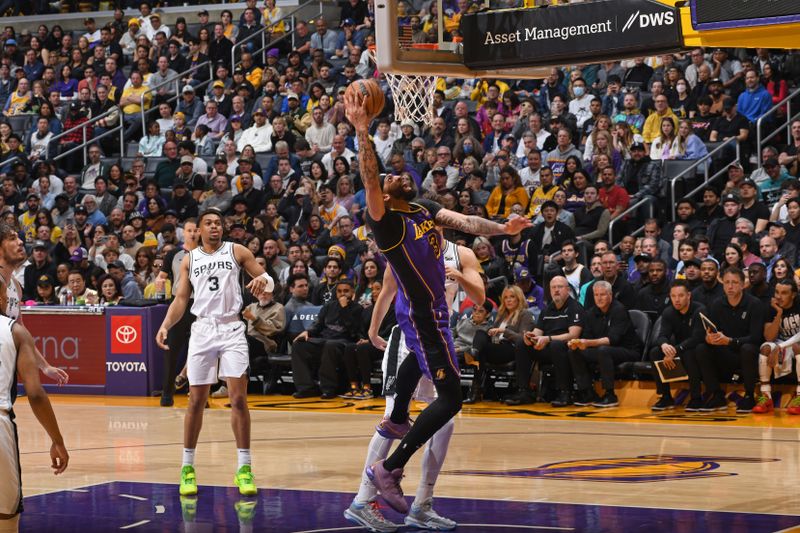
(413, 247)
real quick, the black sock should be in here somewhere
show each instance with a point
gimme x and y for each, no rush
(436, 415)
(408, 376)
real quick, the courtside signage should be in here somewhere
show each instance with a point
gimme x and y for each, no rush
(593, 31)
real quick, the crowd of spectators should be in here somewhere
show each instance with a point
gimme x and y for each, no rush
(265, 140)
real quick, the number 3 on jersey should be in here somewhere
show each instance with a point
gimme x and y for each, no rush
(213, 283)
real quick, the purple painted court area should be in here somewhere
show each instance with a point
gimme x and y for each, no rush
(157, 507)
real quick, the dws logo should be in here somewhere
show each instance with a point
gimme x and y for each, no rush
(649, 20)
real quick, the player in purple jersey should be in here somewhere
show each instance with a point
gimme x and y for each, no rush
(405, 232)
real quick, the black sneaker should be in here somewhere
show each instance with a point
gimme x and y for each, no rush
(307, 393)
(328, 395)
(564, 399)
(521, 398)
(716, 402)
(664, 403)
(586, 397)
(166, 400)
(746, 404)
(608, 400)
(694, 405)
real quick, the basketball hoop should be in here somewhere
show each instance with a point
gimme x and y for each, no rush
(412, 95)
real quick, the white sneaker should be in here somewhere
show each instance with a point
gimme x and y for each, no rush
(370, 517)
(221, 392)
(424, 517)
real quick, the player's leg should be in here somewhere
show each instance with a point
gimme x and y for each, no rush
(764, 399)
(794, 404)
(176, 340)
(422, 514)
(233, 364)
(364, 509)
(201, 370)
(11, 484)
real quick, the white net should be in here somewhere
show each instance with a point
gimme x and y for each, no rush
(412, 96)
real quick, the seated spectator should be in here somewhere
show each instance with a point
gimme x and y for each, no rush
(80, 294)
(322, 345)
(560, 322)
(608, 339)
(498, 344)
(733, 346)
(507, 192)
(110, 293)
(266, 321)
(45, 291)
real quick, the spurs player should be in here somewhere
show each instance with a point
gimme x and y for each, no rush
(462, 268)
(18, 356)
(12, 256)
(217, 344)
(782, 333)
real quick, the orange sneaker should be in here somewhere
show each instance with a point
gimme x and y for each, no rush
(794, 406)
(763, 405)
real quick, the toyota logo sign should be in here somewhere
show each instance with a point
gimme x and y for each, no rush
(126, 334)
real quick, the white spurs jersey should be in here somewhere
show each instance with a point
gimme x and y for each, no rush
(8, 364)
(452, 260)
(14, 297)
(215, 280)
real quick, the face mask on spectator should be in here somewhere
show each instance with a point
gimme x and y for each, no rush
(578, 91)
(681, 88)
(467, 148)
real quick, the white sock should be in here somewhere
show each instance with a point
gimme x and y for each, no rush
(432, 461)
(378, 449)
(243, 454)
(188, 457)
(764, 372)
(766, 389)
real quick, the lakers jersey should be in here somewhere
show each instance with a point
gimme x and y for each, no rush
(8, 365)
(215, 280)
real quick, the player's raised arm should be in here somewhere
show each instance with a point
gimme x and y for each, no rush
(261, 282)
(479, 225)
(37, 397)
(367, 161)
(381, 306)
(470, 276)
(178, 305)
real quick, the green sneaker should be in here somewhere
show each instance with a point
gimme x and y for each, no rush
(794, 406)
(245, 481)
(188, 481)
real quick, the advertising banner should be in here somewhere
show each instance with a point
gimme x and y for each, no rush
(574, 33)
(73, 342)
(715, 14)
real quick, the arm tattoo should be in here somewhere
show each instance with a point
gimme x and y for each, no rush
(468, 224)
(368, 162)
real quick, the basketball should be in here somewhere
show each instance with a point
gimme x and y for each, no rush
(373, 96)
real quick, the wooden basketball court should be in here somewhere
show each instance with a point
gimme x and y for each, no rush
(508, 469)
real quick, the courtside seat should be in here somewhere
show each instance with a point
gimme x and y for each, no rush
(641, 323)
(295, 325)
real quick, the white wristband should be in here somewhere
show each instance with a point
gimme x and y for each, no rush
(270, 282)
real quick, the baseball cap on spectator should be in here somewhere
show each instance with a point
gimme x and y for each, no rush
(749, 182)
(439, 170)
(135, 214)
(637, 146)
(236, 225)
(290, 96)
(202, 13)
(238, 70)
(407, 122)
(150, 239)
(341, 90)
(80, 209)
(643, 257)
(45, 280)
(348, 22)
(79, 255)
(218, 83)
(521, 272)
(257, 111)
(714, 81)
(11, 42)
(169, 213)
(187, 89)
(771, 162)
(235, 118)
(245, 160)
(116, 264)
(134, 22)
(187, 159)
(273, 52)
(220, 159)
(736, 164)
(730, 197)
(32, 195)
(155, 16)
(179, 114)
(38, 245)
(339, 249)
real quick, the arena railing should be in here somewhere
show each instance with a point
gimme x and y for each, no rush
(706, 162)
(290, 16)
(91, 122)
(760, 139)
(177, 80)
(631, 209)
